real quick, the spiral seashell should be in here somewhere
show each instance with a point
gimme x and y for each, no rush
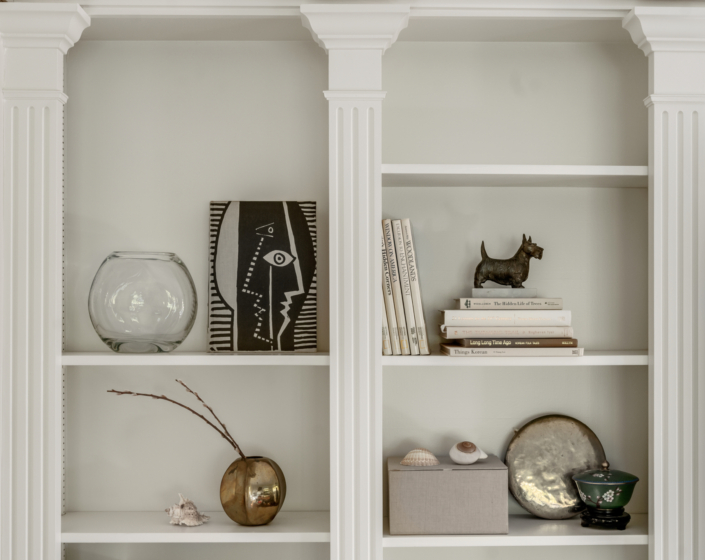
(419, 457)
(466, 447)
(186, 513)
(466, 453)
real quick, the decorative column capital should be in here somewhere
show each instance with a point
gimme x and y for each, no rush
(42, 25)
(667, 29)
(674, 40)
(355, 26)
(355, 37)
(35, 38)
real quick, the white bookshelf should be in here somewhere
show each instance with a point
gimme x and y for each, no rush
(153, 527)
(526, 530)
(176, 102)
(459, 175)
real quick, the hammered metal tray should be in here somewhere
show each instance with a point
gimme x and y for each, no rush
(542, 458)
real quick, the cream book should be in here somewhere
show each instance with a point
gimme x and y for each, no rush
(405, 285)
(459, 351)
(506, 332)
(510, 303)
(505, 318)
(388, 298)
(386, 343)
(413, 267)
(396, 286)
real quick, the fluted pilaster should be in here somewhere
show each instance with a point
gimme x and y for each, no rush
(674, 41)
(34, 38)
(356, 381)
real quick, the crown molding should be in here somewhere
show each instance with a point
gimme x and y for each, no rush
(355, 26)
(354, 94)
(674, 98)
(32, 95)
(42, 25)
(494, 11)
(659, 29)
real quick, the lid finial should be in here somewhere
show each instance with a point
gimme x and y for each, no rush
(605, 466)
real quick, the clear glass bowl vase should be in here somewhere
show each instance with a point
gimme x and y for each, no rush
(142, 302)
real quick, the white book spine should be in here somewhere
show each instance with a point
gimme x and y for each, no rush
(386, 342)
(459, 351)
(389, 302)
(405, 284)
(506, 318)
(506, 332)
(413, 267)
(396, 287)
(510, 303)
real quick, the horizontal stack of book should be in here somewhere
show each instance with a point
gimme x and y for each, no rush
(508, 322)
(403, 323)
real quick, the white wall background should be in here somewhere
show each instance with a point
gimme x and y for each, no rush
(515, 103)
(531, 103)
(155, 131)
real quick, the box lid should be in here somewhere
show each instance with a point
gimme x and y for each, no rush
(492, 463)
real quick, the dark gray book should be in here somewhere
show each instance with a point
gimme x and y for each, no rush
(517, 342)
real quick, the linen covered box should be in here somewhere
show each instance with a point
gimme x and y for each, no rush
(448, 499)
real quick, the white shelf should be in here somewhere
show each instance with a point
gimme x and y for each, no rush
(442, 175)
(195, 359)
(154, 527)
(591, 358)
(526, 530)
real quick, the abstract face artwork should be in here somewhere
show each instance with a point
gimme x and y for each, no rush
(262, 277)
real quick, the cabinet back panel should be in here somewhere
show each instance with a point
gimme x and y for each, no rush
(136, 454)
(156, 130)
(595, 258)
(595, 251)
(438, 407)
(515, 103)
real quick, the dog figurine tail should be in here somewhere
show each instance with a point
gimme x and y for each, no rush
(482, 251)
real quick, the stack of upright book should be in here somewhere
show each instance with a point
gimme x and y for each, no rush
(403, 323)
(508, 322)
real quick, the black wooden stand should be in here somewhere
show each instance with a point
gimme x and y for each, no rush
(607, 518)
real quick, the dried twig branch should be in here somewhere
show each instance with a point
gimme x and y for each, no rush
(225, 429)
(163, 398)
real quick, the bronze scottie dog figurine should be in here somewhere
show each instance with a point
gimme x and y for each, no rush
(508, 272)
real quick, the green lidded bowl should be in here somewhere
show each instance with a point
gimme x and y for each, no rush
(605, 489)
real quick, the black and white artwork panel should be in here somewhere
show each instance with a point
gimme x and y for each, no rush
(262, 277)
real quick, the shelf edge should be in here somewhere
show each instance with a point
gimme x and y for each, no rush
(594, 358)
(193, 359)
(635, 535)
(514, 170)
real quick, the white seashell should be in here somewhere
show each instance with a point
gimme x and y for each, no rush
(419, 457)
(466, 453)
(186, 513)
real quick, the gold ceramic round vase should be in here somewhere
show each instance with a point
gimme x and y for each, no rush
(252, 491)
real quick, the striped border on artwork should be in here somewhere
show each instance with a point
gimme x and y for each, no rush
(220, 316)
(305, 328)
